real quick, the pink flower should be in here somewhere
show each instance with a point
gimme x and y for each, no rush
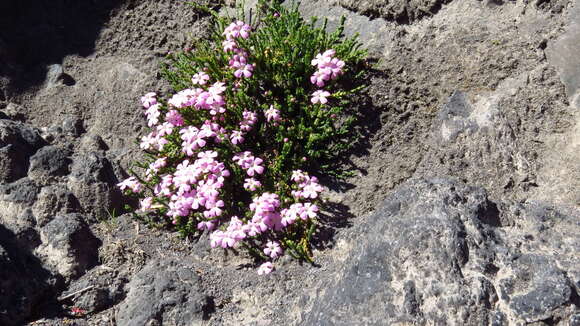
(310, 211)
(131, 183)
(320, 76)
(174, 118)
(206, 225)
(184, 98)
(156, 166)
(245, 71)
(237, 29)
(237, 137)
(200, 78)
(146, 203)
(298, 176)
(273, 249)
(148, 141)
(217, 88)
(153, 115)
(324, 57)
(207, 155)
(251, 184)
(229, 45)
(255, 167)
(291, 214)
(328, 67)
(214, 211)
(265, 268)
(216, 238)
(320, 97)
(273, 114)
(249, 119)
(164, 129)
(311, 189)
(149, 99)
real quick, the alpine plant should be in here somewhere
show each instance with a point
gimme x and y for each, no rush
(258, 111)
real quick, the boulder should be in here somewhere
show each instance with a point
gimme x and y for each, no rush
(49, 163)
(52, 201)
(68, 246)
(92, 181)
(24, 282)
(18, 142)
(165, 291)
(16, 198)
(436, 252)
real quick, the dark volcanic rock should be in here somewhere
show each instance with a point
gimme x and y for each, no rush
(411, 262)
(15, 212)
(49, 162)
(18, 142)
(104, 291)
(22, 191)
(52, 201)
(24, 283)
(546, 288)
(92, 181)
(156, 297)
(401, 11)
(68, 245)
(433, 253)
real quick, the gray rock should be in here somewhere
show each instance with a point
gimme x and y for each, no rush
(68, 246)
(24, 229)
(23, 191)
(55, 76)
(546, 288)
(24, 283)
(92, 143)
(52, 201)
(165, 291)
(454, 117)
(402, 11)
(92, 181)
(15, 213)
(13, 111)
(107, 290)
(433, 253)
(73, 126)
(575, 320)
(563, 54)
(18, 142)
(49, 162)
(410, 268)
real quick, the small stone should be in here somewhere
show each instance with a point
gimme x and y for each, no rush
(49, 162)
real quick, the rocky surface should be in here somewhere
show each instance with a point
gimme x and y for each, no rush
(165, 292)
(441, 252)
(465, 209)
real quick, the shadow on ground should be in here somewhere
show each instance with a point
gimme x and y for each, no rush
(37, 33)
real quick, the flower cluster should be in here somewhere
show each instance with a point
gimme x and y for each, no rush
(239, 61)
(228, 149)
(329, 68)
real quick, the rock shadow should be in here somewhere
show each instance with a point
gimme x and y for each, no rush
(25, 284)
(367, 124)
(37, 33)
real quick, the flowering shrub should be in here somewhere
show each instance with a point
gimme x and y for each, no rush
(255, 107)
